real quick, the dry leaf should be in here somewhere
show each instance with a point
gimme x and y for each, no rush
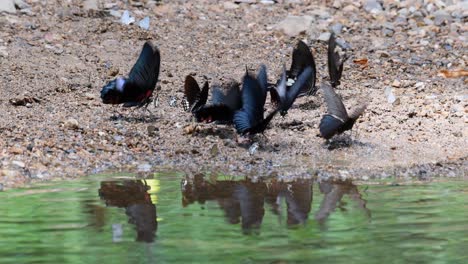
(453, 74)
(362, 61)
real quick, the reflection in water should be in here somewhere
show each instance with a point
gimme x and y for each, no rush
(333, 193)
(243, 201)
(134, 197)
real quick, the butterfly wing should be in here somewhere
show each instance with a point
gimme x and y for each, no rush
(252, 107)
(335, 63)
(329, 126)
(231, 98)
(203, 95)
(297, 87)
(262, 79)
(218, 112)
(334, 104)
(278, 93)
(145, 72)
(191, 90)
(301, 59)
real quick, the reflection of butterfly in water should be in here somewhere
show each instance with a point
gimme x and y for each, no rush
(337, 120)
(137, 89)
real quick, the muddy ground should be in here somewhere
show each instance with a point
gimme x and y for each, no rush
(56, 55)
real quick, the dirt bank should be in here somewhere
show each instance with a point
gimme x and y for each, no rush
(58, 58)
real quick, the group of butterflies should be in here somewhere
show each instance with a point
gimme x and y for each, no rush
(244, 108)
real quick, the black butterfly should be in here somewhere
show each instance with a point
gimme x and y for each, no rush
(335, 62)
(223, 104)
(302, 58)
(195, 97)
(284, 96)
(137, 89)
(337, 120)
(250, 119)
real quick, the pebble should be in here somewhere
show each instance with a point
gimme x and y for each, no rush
(324, 36)
(441, 16)
(90, 5)
(115, 13)
(3, 51)
(391, 98)
(21, 4)
(230, 5)
(396, 83)
(9, 173)
(337, 28)
(18, 164)
(144, 167)
(295, 25)
(7, 6)
(72, 123)
(16, 150)
(214, 150)
(253, 148)
(89, 96)
(373, 6)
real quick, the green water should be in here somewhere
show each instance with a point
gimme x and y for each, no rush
(169, 219)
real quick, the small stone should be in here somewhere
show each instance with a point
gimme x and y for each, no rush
(424, 42)
(16, 150)
(89, 96)
(18, 164)
(373, 6)
(110, 5)
(336, 28)
(214, 150)
(90, 5)
(230, 5)
(7, 6)
(152, 130)
(391, 98)
(21, 4)
(145, 167)
(441, 16)
(294, 25)
(189, 129)
(420, 85)
(9, 173)
(350, 9)
(267, 2)
(324, 36)
(253, 148)
(396, 83)
(144, 23)
(115, 13)
(72, 123)
(113, 71)
(3, 51)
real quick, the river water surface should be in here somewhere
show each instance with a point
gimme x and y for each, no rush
(170, 219)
